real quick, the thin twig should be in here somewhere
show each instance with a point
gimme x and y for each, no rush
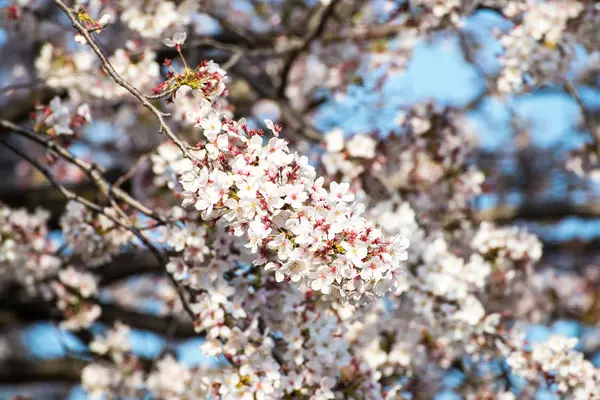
(69, 195)
(171, 331)
(588, 118)
(110, 70)
(240, 32)
(93, 171)
(124, 178)
(316, 25)
(235, 57)
(19, 86)
(469, 57)
(163, 94)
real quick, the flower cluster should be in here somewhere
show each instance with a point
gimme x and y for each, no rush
(27, 254)
(93, 238)
(191, 239)
(433, 14)
(566, 290)
(206, 80)
(298, 288)
(167, 162)
(273, 197)
(505, 246)
(445, 300)
(80, 72)
(436, 142)
(91, 24)
(56, 119)
(189, 107)
(400, 219)
(546, 22)
(446, 294)
(171, 378)
(258, 372)
(435, 11)
(306, 354)
(431, 159)
(445, 275)
(585, 162)
(587, 29)
(226, 299)
(152, 18)
(98, 380)
(72, 292)
(207, 271)
(14, 10)
(538, 50)
(125, 377)
(345, 156)
(115, 344)
(574, 376)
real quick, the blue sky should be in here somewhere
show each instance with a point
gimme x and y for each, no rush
(436, 71)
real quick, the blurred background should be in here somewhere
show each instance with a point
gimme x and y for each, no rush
(523, 143)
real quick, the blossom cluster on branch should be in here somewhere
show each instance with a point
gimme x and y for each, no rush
(284, 248)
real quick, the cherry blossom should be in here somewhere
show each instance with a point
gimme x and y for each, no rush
(315, 261)
(177, 41)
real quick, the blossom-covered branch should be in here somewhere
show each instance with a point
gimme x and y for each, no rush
(285, 246)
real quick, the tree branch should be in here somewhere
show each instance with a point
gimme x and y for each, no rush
(17, 308)
(13, 371)
(93, 171)
(110, 70)
(45, 196)
(548, 211)
(160, 257)
(588, 118)
(126, 265)
(316, 25)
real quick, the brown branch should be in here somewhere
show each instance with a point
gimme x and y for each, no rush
(160, 257)
(21, 86)
(316, 25)
(16, 308)
(45, 196)
(110, 70)
(21, 370)
(126, 265)
(267, 42)
(14, 371)
(69, 195)
(548, 211)
(20, 109)
(588, 118)
(93, 171)
(172, 328)
(125, 177)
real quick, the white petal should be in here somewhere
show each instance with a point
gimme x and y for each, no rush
(179, 37)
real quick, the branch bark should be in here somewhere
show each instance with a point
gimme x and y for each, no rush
(548, 212)
(20, 309)
(93, 171)
(316, 25)
(14, 371)
(588, 118)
